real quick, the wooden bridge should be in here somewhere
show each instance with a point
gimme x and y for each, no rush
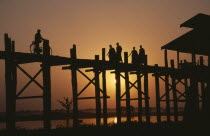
(172, 76)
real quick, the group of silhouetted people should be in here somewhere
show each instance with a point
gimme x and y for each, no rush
(116, 55)
(138, 57)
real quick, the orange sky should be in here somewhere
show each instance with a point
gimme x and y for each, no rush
(92, 25)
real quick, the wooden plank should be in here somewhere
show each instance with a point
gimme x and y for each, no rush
(85, 98)
(131, 99)
(29, 97)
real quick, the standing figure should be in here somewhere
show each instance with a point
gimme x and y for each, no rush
(134, 54)
(141, 54)
(119, 51)
(112, 54)
(38, 40)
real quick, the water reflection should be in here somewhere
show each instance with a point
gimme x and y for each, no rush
(62, 123)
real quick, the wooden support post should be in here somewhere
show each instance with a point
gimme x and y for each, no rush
(46, 85)
(192, 103)
(157, 88)
(14, 81)
(167, 87)
(178, 59)
(118, 94)
(203, 93)
(146, 91)
(104, 89)
(194, 59)
(201, 61)
(74, 86)
(208, 91)
(97, 94)
(194, 85)
(139, 97)
(186, 83)
(127, 90)
(192, 98)
(11, 82)
(173, 80)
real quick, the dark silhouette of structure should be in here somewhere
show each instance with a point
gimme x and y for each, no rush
(119, 52)
(195, 42)
(188, 74)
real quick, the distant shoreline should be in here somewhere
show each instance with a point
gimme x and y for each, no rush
(63, 116)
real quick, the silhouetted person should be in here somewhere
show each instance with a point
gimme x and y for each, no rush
(73, 51)
(134, 54)
(119, 51)
(112, 54)
(141, 51)
(141, 54)
(38, 40)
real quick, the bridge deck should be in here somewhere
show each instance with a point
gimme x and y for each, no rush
(22, 58)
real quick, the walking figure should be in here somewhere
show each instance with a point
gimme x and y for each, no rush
(141, 54)
(134, 54)
(119, 52)
(112, 54)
